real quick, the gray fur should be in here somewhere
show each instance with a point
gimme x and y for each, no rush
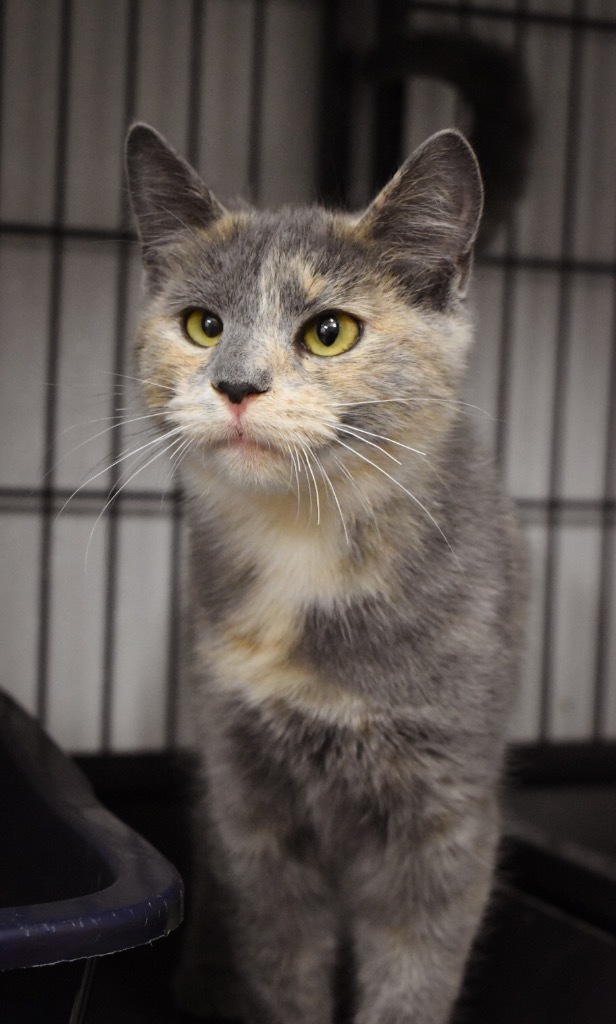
(374, 826)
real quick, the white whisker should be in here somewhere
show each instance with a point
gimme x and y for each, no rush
(121, 458)
(175, 462)
(363, 497)
(314, 479)
(78, 426)
(406, 491)
(295, 470)
(419, 400)
(334, 495)
(129, 479)
(373, 401)
(302, 465)
(390, 440)
(351, 431)
(106, 430)
(358, 431)
(141, 380)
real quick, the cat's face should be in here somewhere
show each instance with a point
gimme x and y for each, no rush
(303, 348)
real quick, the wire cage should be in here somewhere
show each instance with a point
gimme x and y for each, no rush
(270, 100)
(284, 101)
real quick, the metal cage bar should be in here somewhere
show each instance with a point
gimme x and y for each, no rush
(53, 353)
(561, 361)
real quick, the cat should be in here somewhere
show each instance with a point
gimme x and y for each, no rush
(355, 585)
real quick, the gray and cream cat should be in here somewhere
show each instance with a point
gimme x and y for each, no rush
(354, 585)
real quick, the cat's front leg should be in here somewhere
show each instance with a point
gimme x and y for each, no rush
(260, 946)
(415, 917)
(284, 934)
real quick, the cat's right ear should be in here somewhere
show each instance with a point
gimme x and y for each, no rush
(427, 217)
(168, 197)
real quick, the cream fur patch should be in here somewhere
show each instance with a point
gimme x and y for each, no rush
(251, 652)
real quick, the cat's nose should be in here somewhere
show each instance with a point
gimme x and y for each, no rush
(237, 392)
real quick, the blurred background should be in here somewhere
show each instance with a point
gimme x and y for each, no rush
(284, 101)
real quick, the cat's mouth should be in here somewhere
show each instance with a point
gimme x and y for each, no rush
(241, 440)
(244, 442)
(247, 459)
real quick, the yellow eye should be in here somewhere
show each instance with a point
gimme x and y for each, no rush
(331, 333)
(203, 327)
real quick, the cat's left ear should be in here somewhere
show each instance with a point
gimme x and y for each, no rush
(168, 197)
(427, 218)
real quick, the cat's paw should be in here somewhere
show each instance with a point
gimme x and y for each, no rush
(200, 993)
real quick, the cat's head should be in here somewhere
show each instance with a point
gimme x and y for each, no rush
(305, 348)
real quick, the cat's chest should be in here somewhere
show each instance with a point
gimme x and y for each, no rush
(252, 646)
